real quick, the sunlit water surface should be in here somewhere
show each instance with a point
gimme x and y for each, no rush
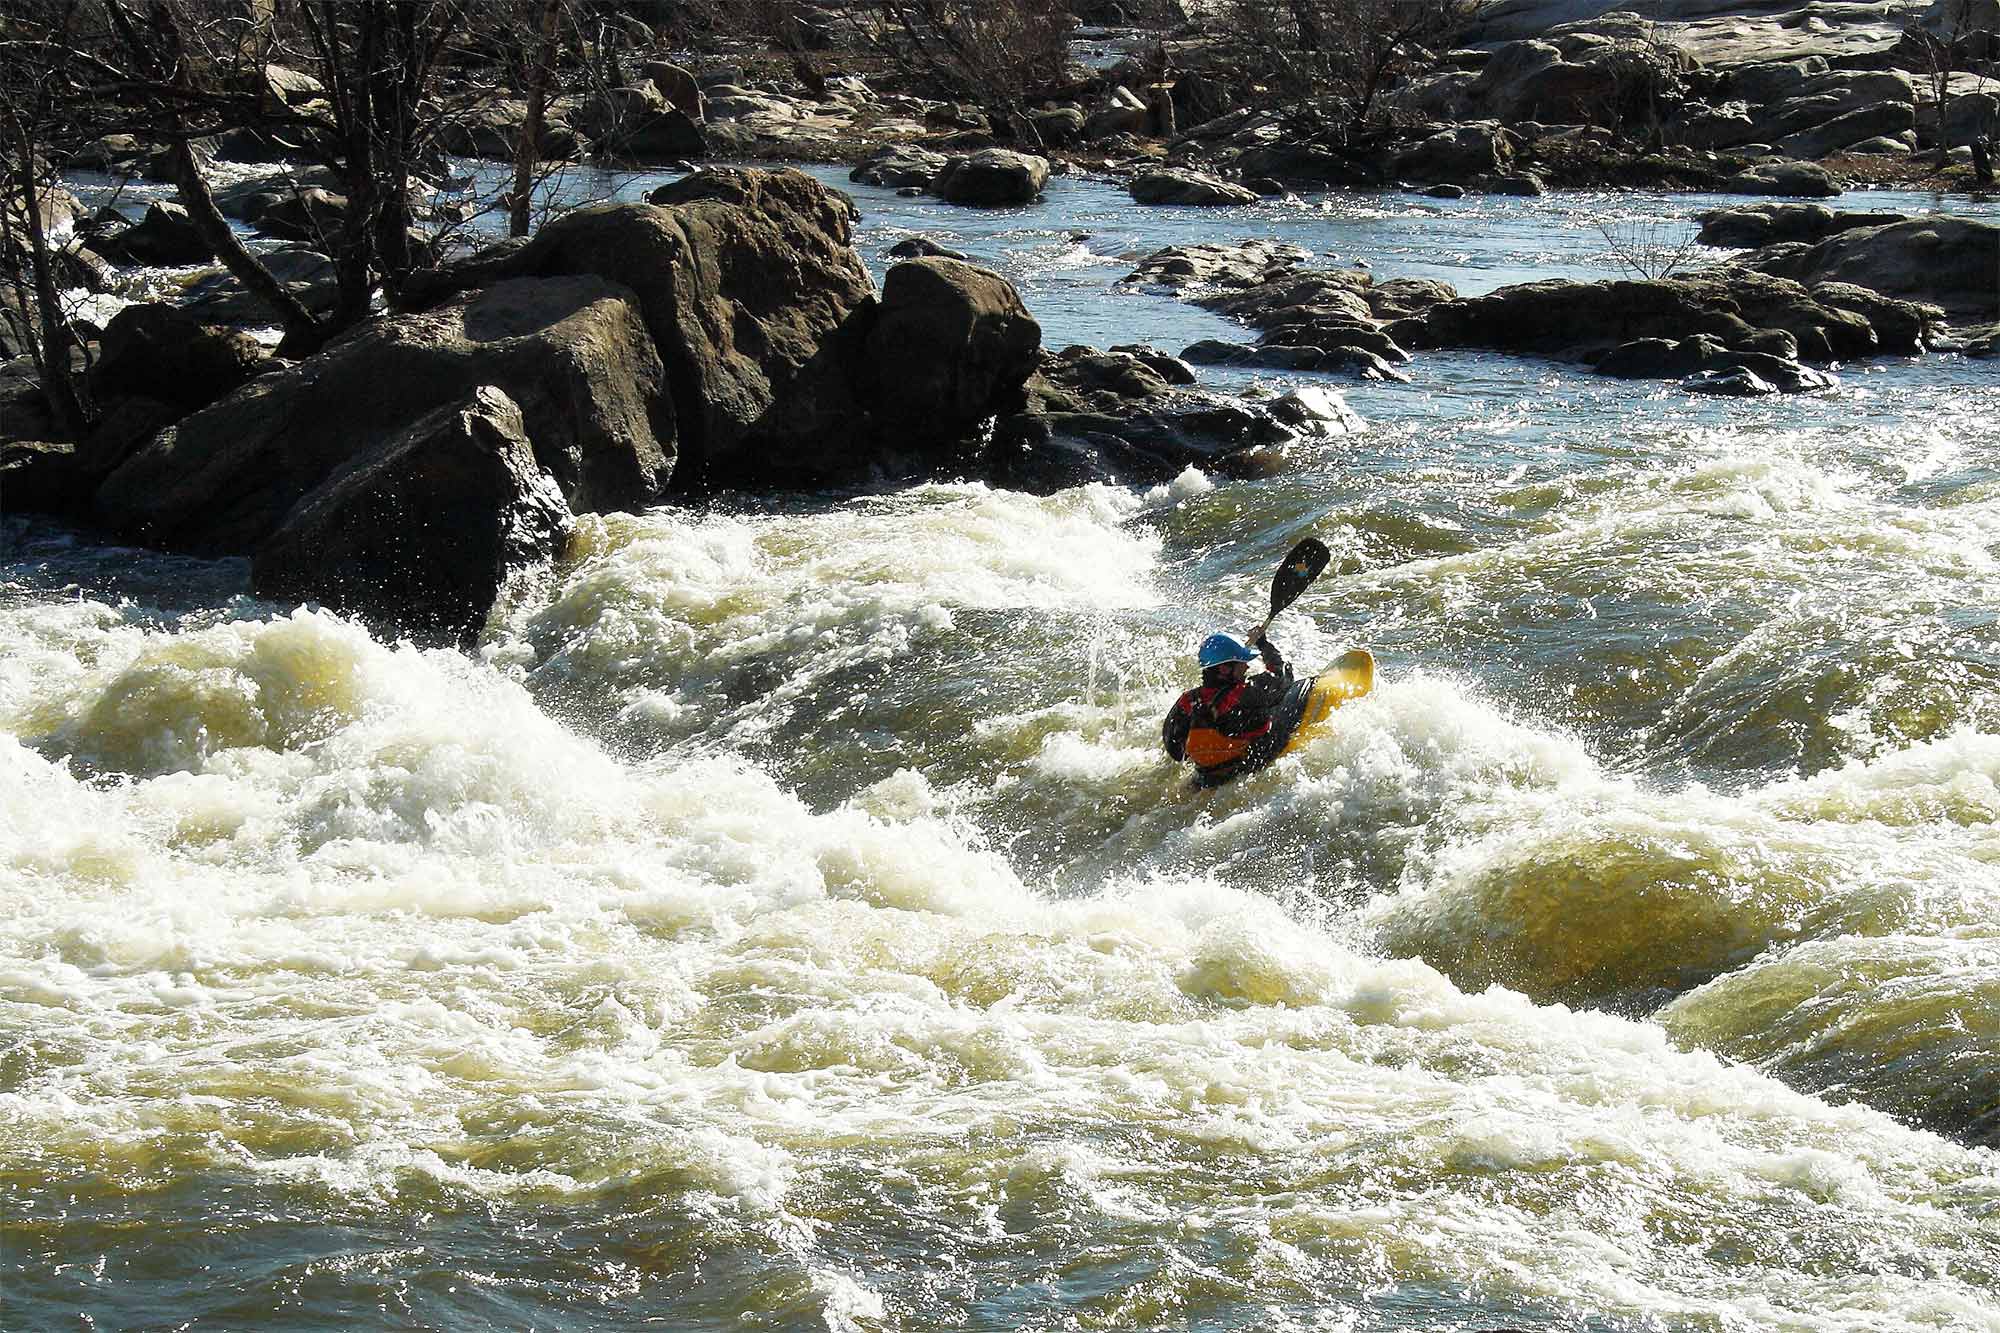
(786, 919)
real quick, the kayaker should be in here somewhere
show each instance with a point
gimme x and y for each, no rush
(1228, 724)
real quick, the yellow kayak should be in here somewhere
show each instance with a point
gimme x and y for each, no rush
(1308, 702)
(1351, 675)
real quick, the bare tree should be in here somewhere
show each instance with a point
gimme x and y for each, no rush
(1354, 50)
(33, 149)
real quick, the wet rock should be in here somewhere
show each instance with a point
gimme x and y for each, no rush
(1585, 320)
(1244, 264)
(39, 474)
(571, 352)
(1944, 261)
(163, 352)
(918, 247)
(1738, 383)
(950, 345)
(1107, 416)
(993, 178)
(422, 530)
(1333, 355)
(164, 236)
(1316, 412)
(1172, 369)
(1176, 185)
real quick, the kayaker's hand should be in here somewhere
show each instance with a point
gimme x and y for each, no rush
(1255, 635)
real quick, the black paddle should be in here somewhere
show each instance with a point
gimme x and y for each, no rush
(1304, 563)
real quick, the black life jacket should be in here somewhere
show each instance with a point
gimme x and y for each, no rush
(1207, 745)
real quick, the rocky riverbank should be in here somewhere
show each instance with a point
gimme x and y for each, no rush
(725, 335)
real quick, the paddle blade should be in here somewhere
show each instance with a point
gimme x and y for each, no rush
(1305, 563)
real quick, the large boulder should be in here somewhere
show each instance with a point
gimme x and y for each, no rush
(748, 282)
(676, 84)
(312, 215)
(1945, 261)
(638, 124)
(1872, 121)
(993, 178)
(899, 166)
(422, 530)
(165, 236)
(572, 353)
(163, 352)
(1458, 153)
(1607, 71)
(951, 344)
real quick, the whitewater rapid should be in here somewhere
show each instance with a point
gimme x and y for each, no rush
(785, 918)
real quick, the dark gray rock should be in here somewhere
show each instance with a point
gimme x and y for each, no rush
(1245, 264)
(638, 124)
(993, 178)
(571, 352)
(165, 236)
(950, 346)
(1756, 225)
(1943, 261)
(895, 166)
(918, 247)
(163, 352)
(1805, 180)
(1176, 185)
(422, 530)
(1585, 320)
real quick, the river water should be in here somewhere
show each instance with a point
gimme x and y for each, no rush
(786, 919)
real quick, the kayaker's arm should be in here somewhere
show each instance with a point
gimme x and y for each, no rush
(1274, 661)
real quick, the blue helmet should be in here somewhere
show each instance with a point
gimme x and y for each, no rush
(1219, 648)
